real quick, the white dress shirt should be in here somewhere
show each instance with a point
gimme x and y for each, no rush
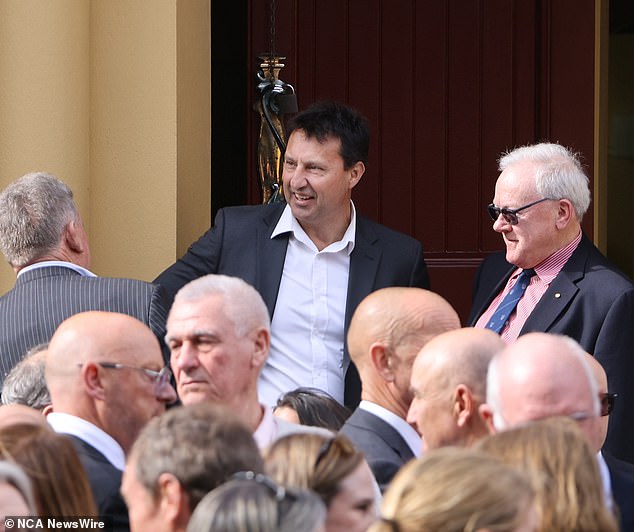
(91, 434)
(45, 263)
(307, 328)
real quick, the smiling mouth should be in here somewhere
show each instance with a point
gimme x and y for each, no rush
(301, 197)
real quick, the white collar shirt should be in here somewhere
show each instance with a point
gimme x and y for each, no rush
(407, 432)
(606, 482)
(307, 327)
(46, 263)
(91, 434)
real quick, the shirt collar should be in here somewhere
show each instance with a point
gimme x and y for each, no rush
(266, 432)
(411, 437)
(289, 224)
(91, 434)
(46, 263)
(548, 269)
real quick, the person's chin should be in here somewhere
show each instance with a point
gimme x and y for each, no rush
(192, 394)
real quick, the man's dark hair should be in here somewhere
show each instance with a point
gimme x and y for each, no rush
(326, 120)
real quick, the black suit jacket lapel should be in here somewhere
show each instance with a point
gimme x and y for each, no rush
(560, 292)
(364, 263)
(270, 255)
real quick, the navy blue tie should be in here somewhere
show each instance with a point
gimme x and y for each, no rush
(506, 308)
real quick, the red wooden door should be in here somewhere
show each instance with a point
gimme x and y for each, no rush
(447, 86)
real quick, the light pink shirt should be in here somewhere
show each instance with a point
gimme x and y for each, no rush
(545, 273)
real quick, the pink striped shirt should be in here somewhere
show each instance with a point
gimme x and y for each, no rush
(545, 272)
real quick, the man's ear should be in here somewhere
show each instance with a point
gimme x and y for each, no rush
(356, 171)
(262, 344)
(565, 213)
(463, 405)
(382, 361)
(173, 502)
(72, 237)
(91, 378)
(487, 416)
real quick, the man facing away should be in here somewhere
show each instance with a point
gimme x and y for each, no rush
(387, 329)
(106, 379)
(449, 384)
(312, 259)
(42, 237)
(218, 331)
(540, 199)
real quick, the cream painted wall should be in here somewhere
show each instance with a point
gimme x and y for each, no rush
(44, 96)
(113, 96)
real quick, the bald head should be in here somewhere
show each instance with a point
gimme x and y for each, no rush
(103, 367)
(449, 385)
(387, 329)
(538, 376)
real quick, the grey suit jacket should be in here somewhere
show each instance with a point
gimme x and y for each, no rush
(240, 244)
(43, 298)
(591, 301)
(384, 448)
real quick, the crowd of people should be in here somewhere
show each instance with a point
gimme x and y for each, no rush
(293, 371)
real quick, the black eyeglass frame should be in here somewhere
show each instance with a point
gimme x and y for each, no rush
(607, 403)
(510, 215)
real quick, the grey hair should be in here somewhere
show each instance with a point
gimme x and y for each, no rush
(12, 474)
(34, 210)
(251, 505)
(26, 382)
(202, 445)
(244, 305)
(559, 173)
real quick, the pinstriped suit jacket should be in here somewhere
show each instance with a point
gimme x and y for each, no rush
(43, 298)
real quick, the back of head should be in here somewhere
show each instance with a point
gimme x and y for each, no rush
(315, 408)
(201, 445)
(34, 211)
(456, 490)
(332, 120)
(312, 461)
(25, 384)
(59, 482)
(537, 376)
(257, 504)
(244, 305)
(559, 174)
(563, 470)
(396, 316)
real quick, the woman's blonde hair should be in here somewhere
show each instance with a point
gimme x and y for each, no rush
(563, 470)
(312, 461)
(455, 490)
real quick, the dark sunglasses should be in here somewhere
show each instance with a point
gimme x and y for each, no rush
(607, 403)
(510, 215)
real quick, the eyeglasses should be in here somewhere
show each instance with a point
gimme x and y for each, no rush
(510, 215)
(160, 378)
(344, 445)
(607, 403)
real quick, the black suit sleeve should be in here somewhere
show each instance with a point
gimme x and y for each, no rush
(201, 258)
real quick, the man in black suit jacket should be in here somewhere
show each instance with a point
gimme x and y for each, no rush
(43, 239)
(106, 378)
(386, 332)
(301, 256)
(540, 198)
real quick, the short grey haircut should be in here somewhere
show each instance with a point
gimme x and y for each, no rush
(26, 382)
(244, 305)
(258, 505)
(34, 210)
(493, 397)
(12, 474)
(559, 173)
(202, 445)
